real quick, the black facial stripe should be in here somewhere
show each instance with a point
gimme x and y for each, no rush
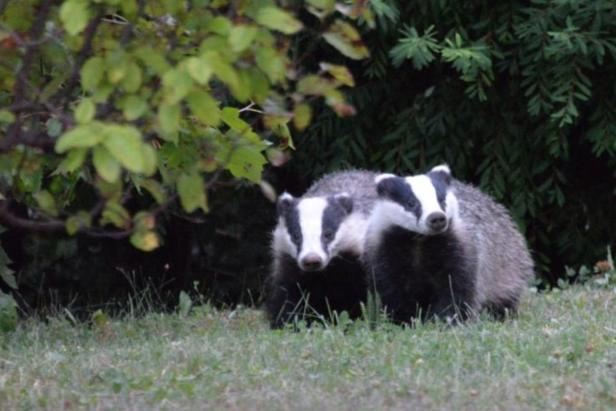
(333, 215)
(440, 182)
(399, 191)
(291, 219)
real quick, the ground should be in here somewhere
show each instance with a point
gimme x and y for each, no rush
(559, 353)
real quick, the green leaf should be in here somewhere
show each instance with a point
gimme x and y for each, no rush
(199, 69)
(92, 73)
(85, 111)
(150, 159)
(192, 192)
(72, 162)
(277, 19)
(100, 321)
(134, 107)
(346, 39)
(83, 135)
(80, 220)
(204, 107)
(114, 213)
(231, 117)
(74, 15)
(241, 37)
(46, 202)
(8, 313)
(271, 63)
(169, 120)
(125, 144)
(106, 166)
(177, 84)
(6, 117)
(54, 127)
(247, 162)
(155, 189)
(6, 274)
(132, 78)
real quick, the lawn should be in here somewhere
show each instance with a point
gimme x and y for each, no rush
(560, 352)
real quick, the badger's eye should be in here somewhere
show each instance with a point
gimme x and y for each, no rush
(411, 203)
(328, 235)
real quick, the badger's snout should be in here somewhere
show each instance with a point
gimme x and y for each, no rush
(437, 222)
(311, 262)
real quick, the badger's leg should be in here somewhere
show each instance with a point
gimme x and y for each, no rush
(455, 300)
(283, 304)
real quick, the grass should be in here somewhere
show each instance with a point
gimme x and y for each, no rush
(559, 353)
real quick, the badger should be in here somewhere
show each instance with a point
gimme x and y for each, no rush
(436, 247)
(316, 247)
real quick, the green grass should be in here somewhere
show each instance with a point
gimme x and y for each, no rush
(559, 353)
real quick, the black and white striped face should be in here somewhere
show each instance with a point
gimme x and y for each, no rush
(422, 203)
(312, 228)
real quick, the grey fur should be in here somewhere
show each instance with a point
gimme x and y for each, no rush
(504, 264)
(359, 184)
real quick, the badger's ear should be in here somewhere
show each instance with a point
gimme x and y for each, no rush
(345, 201)
(285, 202)
(443, 172)
(385, 184)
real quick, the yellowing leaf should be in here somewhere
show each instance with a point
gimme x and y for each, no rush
(346, 39)
(145, 240)
(340, 73)
(74, 15)
(85, 111)
(277, 19)
(204, 107)
(302, 113)
(192, 192)
(106, 166)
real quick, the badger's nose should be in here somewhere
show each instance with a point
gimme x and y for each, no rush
(437, 221)
(311, 262)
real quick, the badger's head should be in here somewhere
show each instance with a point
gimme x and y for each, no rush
(423, 204)
(310, 229)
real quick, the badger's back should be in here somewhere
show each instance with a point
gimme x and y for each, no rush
(504, 264)
(359, 184)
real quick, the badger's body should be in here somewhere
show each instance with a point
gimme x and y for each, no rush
(316, 248)
(438, 247)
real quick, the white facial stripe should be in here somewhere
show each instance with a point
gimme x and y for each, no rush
(282, 240)
(311, 221)
(426, 194)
